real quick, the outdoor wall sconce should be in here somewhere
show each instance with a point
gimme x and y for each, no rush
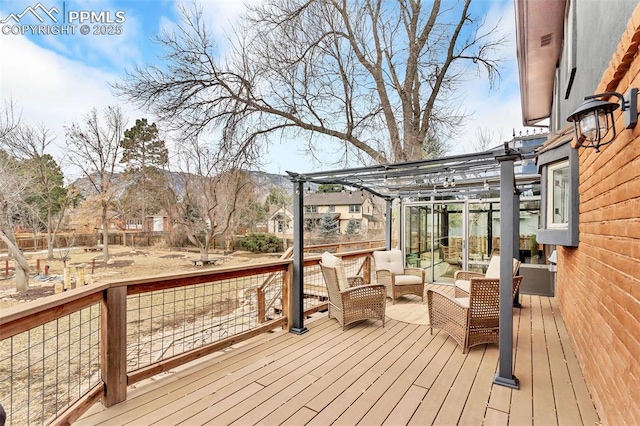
(593, 121)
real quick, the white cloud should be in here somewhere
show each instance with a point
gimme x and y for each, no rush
(51, 89)
(104, 51)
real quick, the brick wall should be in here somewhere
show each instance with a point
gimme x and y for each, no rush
(598, 283)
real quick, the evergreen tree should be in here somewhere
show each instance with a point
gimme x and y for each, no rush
(47, 198)
(352, 227)
(144, 153)
(329, 226)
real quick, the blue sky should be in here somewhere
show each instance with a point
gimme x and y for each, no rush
(55, 79)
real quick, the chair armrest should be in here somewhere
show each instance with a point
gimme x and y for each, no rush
(443, 308)
(516, 284)
(385, 276)
(466, 275)
(368, 290)
(458, 292)
(418, 272)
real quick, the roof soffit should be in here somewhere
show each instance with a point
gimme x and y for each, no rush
(539, 40)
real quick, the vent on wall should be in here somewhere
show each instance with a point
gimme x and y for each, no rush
(545, 40)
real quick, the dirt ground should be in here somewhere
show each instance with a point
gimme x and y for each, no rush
(124, 263)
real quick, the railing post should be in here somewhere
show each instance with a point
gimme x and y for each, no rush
(261, 305)
(114, 345)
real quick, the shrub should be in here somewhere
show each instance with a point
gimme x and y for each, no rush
(262, 243)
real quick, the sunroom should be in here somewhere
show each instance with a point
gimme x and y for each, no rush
(446, 212)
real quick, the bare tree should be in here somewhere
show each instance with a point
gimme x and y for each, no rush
(46, 198)
(14, 183)
(8, 119)
(94, 147)
(486, 138)
(206, 195)
(379, 77)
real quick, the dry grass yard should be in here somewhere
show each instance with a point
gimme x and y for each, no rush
(67, 350)
(124, 263)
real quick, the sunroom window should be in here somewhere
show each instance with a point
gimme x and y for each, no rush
(558, 195)
(559, 211)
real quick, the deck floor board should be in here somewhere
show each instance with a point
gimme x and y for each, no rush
(367, 375)
(522, 401)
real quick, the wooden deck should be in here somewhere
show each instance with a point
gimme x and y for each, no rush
(369, 375)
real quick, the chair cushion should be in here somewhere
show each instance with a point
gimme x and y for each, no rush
(408, 280)
(332, 261)
(463, 301)
(493, 270)
(464, 285)
(390, 260)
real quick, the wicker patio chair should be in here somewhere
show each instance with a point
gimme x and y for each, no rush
(462, 278)
(452, 256)
(472, 320)
(349, 299)
(398, 280)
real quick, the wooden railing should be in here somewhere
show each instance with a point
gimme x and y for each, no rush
(61, 354)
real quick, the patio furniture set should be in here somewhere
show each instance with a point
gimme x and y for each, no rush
(471, 316)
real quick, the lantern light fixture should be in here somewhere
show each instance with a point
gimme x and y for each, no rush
(593, 121)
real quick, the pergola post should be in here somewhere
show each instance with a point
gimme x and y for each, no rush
(388, 224)
(508, 211)
(297, 291)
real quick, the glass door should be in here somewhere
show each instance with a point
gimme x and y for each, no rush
(483, 233)
(448, 231)
(417, 235)
(433, 239)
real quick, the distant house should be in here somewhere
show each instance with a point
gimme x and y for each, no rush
(349, 206)
(158, 222)
(280, 220)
